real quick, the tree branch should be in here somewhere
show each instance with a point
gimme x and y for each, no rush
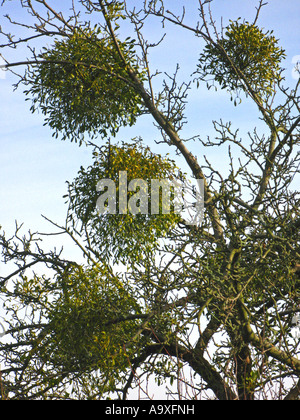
(25, 40)
(294, 393)
(169, 130)
(264, 345)
(197, 362)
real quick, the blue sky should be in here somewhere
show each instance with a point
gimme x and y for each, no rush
(34, 166)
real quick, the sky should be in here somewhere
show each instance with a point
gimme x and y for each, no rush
(34, 167)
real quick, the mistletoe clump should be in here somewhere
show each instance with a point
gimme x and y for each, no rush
(245, 57)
